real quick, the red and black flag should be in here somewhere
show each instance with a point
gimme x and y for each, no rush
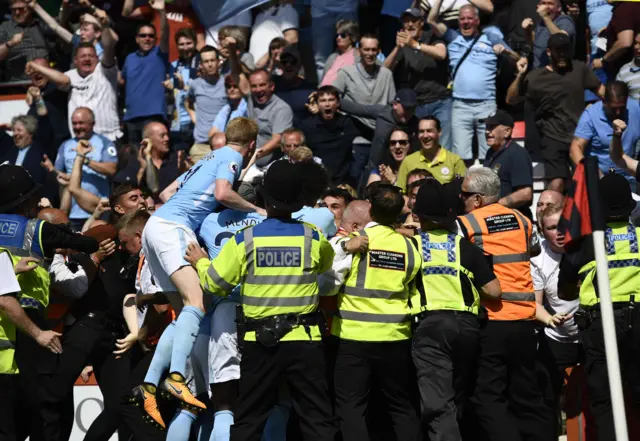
(577, 218)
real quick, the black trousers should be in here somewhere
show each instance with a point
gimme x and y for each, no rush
(91, 342)
(507, 401)
(14, 409)
(445, 345)
(596, 369)
(360, 366)
(302, 365)
(35, 364)
(554, 358)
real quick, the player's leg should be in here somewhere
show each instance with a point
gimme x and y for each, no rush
(224, 368)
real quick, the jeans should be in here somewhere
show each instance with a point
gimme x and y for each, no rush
(465, 115)
(323, 31)
(441, 109)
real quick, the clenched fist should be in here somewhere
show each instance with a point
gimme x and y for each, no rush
(619, 126)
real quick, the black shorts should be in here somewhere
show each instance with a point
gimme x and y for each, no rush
(555, 156)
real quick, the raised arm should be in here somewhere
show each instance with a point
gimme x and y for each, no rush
(616, 153)
(159, 7)
(434, 15)
(60, 31)
(53, 75)
(513, 93)
(483, 5)
(109, 39)
(8, 45)
(85, 199)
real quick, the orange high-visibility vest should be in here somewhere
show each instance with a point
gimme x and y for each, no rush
(504, 235)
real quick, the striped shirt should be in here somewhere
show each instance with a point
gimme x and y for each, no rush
(99, 92)
(630, 75)
(33, 45)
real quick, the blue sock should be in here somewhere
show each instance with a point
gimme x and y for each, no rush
(276, 427)
(162, 356)
(180, 427)
(222, 426)
(187, 327)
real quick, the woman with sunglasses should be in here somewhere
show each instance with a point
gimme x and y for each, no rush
(399, 145)
(347, 34)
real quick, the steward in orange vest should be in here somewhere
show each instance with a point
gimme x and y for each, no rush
(507, 401)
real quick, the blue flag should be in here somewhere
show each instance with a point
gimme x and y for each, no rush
(212, 12)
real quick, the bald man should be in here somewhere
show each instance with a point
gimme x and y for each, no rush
(53, 216)
(99, 158)
(161, 165)
(217, 141)
(547, 197)
(354, 218)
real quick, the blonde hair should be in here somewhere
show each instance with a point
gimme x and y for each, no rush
(241, 131)
(234, 32)
(349, 189)
(301, 154)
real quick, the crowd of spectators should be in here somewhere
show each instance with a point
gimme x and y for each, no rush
(375, 89)
(125, 97)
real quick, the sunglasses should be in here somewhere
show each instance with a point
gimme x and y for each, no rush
(231, 86)
(19, 9)
(402, 142)
(342, 35)
(147, 35)
(293, 145)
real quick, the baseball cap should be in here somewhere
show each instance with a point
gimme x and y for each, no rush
(559, 41)
(414, 12)
(406, 97)
(436, 202)
(499, 118)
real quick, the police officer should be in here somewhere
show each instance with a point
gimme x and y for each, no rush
(507, 401)
(24, 237)
(373, 320)
(578, 276)
(277, 262)
(454, 276)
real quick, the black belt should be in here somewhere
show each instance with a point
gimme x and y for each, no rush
(618, 309)
(310, 319)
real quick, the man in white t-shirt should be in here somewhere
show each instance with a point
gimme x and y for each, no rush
(93, 83)
(560, 345)
(274, 20)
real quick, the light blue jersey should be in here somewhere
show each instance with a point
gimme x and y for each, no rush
(218, 228)
(195, 199)
(322, 218)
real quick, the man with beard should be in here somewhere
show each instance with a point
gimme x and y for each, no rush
(205, 99)
(93, 83)
(330, 134)
(290, 86)
(613, 122)
(365, 82)
(419, 62)
(556, 92)
(181, 72)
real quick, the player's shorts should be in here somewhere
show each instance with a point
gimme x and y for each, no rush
(165, 244)
(224, 358)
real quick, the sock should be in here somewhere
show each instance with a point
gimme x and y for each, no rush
(222, 426)
(180, 427)
(276, 427)
(187, 327)
(162, 356)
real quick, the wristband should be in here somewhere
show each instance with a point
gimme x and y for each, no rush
(86, 161)
(40, 104)
(343, 245)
